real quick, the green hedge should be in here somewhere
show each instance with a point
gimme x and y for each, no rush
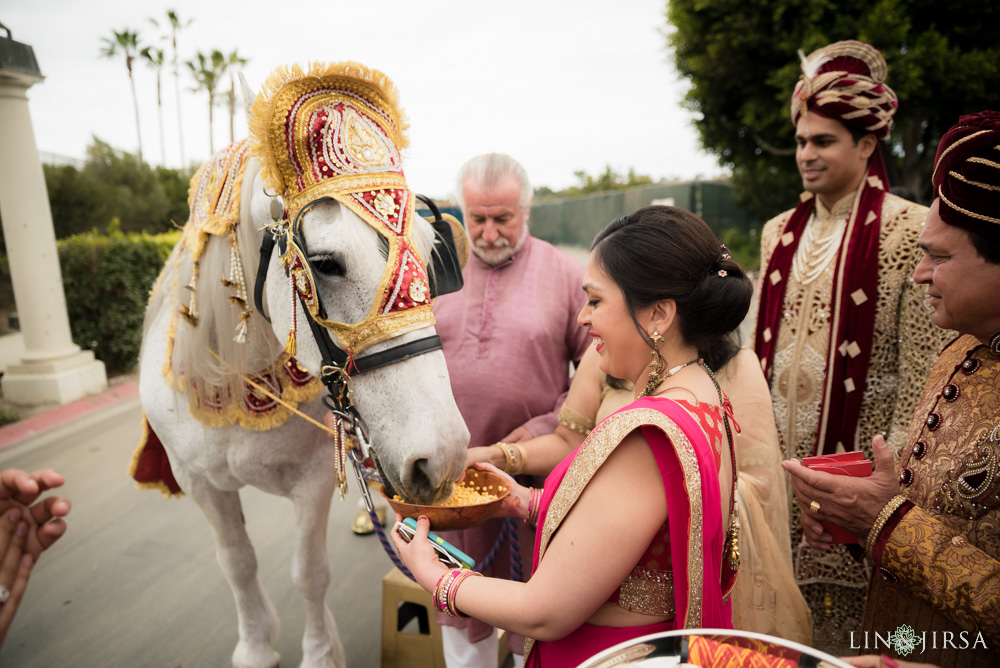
(107, 279)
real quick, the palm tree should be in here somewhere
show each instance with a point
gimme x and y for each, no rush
(233, 63)
(126, 43)
(154, 58)
(176, 25)
(208, 72)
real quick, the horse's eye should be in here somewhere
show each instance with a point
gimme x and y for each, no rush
(327, 265)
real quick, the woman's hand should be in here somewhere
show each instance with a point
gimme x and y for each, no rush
(514, 504)
(27, 527)
(45, 524)
(15, 565)
(418, 555)
(489, 454)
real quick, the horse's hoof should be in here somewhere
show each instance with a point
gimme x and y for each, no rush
(362, 524)
(264, 657)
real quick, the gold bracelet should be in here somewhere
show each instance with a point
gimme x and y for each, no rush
(508, 455)
(883, 517)
(523, 458)
(574, 421)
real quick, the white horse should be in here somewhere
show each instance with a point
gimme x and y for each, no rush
(412, 418)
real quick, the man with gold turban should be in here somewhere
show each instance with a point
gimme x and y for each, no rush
(933, 526)
(842, 333)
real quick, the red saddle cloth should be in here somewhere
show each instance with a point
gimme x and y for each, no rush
(150, 466)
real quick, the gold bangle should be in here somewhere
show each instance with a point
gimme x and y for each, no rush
(574, 421)
(883, 517)
(523, 458)
(508, 455)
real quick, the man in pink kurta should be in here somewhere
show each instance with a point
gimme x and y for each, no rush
(508, 335)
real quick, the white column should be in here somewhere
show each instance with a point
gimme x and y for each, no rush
(53, 369)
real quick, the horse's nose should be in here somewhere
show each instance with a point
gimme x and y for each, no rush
(420, 481)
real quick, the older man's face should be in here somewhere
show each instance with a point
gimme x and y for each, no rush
(961, 285)
(495, 219)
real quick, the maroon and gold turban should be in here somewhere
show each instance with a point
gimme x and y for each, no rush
(846, 81)
(967, 174)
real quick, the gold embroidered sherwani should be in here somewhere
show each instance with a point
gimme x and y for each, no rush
(938, 560)
(904, 345)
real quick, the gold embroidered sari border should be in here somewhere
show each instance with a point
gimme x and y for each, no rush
(593, 453)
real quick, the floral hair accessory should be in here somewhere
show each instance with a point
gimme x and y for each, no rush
(723, 273)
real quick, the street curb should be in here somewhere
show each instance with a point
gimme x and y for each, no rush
(22, 430)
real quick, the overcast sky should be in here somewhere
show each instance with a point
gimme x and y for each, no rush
(560, 85)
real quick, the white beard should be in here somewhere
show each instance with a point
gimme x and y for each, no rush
(499, 251)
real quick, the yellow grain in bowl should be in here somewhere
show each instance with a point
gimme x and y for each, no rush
(475, 499)
(466, 493)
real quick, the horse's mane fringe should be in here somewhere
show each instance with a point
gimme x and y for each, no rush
(205, 355)
(261, 112)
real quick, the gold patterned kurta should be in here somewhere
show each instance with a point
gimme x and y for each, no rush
(938, 561)
(904, 345)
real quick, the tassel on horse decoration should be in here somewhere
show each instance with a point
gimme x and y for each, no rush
(190, 310)
(237, 281)
(340, 444)
(293, 328)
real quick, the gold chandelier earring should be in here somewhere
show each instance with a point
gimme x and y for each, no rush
(656, 365)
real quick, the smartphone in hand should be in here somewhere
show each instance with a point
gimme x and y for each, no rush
(448, 554)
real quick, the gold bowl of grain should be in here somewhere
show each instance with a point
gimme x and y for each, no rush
(473, 500)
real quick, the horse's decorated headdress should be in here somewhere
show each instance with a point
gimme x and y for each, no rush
(335, 131)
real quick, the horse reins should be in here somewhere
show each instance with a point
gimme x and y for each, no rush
(337, 365)
(336, 377)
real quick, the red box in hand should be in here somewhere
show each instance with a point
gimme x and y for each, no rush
(842, 463)
(837, 458)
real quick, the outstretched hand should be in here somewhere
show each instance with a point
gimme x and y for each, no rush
(44, 518)
(28, 526)
(15, 566)
(851, 503)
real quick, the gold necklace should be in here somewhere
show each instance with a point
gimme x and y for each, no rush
(654, 379)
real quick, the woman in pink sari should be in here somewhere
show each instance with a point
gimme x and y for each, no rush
(636, 531)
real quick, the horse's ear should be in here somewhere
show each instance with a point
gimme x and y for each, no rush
(248, 95)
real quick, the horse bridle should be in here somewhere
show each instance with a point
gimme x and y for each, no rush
(337, 367)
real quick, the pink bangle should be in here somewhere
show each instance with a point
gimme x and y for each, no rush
(534, 502)
(441, 589)
(453, 591)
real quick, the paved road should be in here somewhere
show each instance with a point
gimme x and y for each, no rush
(135, 582)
